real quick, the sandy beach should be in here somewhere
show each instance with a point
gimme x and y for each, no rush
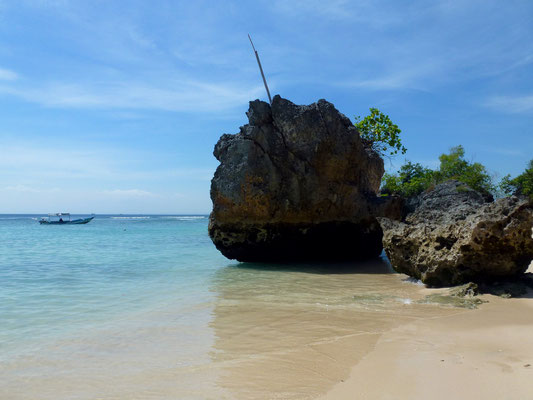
(266, 200)
(354, 332)
(485, 353)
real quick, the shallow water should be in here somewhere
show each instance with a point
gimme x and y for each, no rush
(145, 307)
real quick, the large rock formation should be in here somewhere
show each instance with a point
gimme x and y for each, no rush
(297, 183)
(455, 236)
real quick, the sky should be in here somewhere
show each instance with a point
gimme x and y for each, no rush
(115, 107)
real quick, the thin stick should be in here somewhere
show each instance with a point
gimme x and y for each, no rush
(260, 69)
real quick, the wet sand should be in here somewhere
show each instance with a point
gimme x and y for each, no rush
(300, 336)
(484, 353)
(480, 354)
(334, 332)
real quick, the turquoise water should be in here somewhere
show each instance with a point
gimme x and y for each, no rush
(56, 280)
(146, 307)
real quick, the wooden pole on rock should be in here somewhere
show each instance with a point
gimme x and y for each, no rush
(261, 69)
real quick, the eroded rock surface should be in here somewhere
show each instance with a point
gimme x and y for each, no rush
(297, 183)
(455, 236)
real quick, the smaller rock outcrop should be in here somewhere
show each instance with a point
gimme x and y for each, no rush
(454, 235)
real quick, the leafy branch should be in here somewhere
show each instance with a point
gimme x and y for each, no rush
(378, 129)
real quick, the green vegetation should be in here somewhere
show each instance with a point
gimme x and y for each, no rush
(410, 180)
(522, 184)
(378, 129)
(454, 166)
(413, 179)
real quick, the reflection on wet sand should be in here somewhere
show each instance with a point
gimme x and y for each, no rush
(162, 354)
(259, 332)
(294, 332)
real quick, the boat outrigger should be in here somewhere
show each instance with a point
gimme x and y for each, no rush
(61, 219)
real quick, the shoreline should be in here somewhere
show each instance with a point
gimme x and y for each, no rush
(358, 332)
(482, 353)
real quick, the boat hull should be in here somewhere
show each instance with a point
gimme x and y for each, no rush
(80, 221)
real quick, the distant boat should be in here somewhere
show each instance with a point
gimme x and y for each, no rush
(61, 219)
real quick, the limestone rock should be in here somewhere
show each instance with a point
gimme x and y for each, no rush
(455, 236)
(297, 183)
(469, 289)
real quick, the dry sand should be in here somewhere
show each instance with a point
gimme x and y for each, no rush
(475, 354)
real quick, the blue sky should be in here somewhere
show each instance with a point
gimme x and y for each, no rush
(114, 107)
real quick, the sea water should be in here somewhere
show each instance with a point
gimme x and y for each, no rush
(61, 279)
(144, 306)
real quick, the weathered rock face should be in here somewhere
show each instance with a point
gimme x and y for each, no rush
(297, 183)
(454, 236)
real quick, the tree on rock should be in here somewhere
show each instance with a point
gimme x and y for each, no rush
(413, 178)
(378, 129)
(521, 185)
(454, 166)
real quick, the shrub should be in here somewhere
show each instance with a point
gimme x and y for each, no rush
(521, 185)
(381, 132)
(454, 166)
(413, 178)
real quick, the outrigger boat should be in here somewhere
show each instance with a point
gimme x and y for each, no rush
(61, 219)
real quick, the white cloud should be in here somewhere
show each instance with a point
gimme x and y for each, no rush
(364, 13)
(7, 75)
(334, 9)
(128, 193)
(36, 163)
(511, 104)
(126, 64)
(29, 189)
(406, 79)
(406, 74)
(38, 177)
(387, 45)
(181, 96)
(25, 199)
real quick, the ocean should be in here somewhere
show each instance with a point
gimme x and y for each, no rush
(144, 306)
